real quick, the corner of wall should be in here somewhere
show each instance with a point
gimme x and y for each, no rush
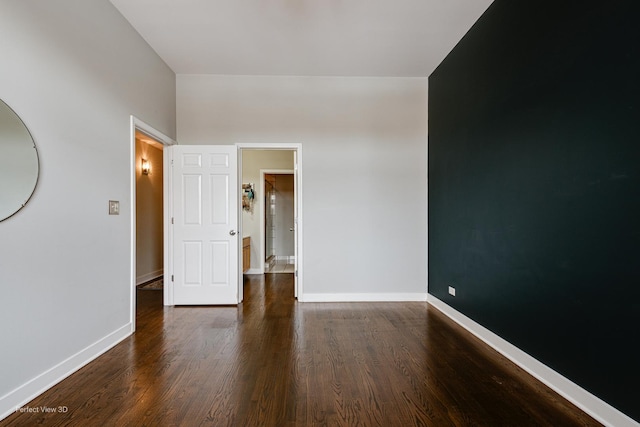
(15, 399)
(590, 404)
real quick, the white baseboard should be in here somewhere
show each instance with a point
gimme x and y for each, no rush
(596, 408)
(254, 271)
(149, 276)
(15, 399)
(383, 297)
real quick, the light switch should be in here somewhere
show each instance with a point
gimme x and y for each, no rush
(114, 207)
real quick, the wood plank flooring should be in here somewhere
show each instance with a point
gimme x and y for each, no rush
(274, 362)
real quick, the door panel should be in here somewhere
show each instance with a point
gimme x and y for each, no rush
(220, 208)
(192, 265)
(220, 263)
(205, 212)
(191, 202)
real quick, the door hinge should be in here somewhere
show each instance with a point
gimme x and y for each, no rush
(171, 220)
(172, 277)
(296, 273)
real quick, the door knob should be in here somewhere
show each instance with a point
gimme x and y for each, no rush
(232, 233)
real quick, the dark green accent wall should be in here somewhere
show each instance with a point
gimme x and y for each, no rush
(534, 186)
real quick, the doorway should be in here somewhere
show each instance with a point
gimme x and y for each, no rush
(149, 205)
(149, 212)
(278, 218)
(256, 160)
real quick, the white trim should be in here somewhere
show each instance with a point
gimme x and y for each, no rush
(15, 399)
(253, 271)
(426, 240)
(367, 297)
(167, 197)
(596, 408)
(149, 276)
(299, 195)
(137, 124)
(270, 145)
(240, 254)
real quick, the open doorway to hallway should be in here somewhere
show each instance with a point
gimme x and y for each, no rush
(149, 208)
(149, 221)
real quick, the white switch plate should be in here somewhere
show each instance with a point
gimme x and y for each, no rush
(114, 207)
(452, 291)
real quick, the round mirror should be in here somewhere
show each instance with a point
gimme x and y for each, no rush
(18, 163)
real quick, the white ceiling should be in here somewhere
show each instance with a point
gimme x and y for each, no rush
(402, 38)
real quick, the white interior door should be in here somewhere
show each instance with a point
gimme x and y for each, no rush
(205, 224)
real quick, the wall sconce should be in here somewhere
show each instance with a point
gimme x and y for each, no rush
(146, 167)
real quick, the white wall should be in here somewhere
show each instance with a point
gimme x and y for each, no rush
(74, 70)
(252, 162)
(364, 169)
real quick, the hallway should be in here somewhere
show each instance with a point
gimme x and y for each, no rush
(274, 362)
(280, 267)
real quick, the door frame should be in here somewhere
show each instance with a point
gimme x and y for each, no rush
(140, 126)
(299, 223)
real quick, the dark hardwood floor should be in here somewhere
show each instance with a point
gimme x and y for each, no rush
(274, 362)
